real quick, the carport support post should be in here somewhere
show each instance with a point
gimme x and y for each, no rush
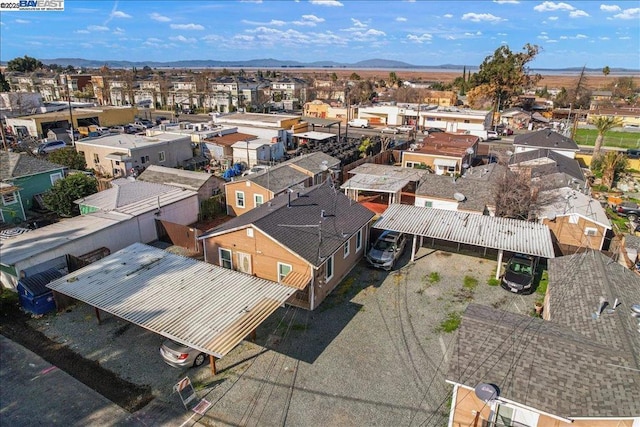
(212, 363)
(97, 314)
(499, 266)
(413, 247)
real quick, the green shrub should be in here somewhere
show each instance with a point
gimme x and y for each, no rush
(434, 277)
(470, 282)
(451, 323)
(493, 282)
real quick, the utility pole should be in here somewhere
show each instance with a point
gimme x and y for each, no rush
(73, 131)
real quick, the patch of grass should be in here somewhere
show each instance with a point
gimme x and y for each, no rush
(345, 287)
(8, 298)
(451, 323)
(493, 282)
(470, 283)
(611, 138)
(434, 277)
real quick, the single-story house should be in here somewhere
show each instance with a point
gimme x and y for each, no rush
(545, 139)
(442, 153)
(205, 184)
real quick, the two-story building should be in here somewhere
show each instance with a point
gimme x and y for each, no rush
(442, 153)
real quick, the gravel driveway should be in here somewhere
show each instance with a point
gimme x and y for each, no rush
(372, 354)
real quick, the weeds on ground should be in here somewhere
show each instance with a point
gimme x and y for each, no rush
(451, 323)
(434, 277)
(470, 283)
(493, 281)
(541, 290)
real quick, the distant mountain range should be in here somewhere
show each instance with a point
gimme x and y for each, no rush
(276, 63)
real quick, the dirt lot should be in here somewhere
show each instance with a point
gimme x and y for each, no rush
(372, 354)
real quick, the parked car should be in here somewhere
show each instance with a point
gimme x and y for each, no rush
(427, 131)
(389, 130)
(387, 249)
(47, 147)
(629, 209)
(633, 153)
(492, 135)
(520, 274)
(506, 132)
(406, 128)
(180, 356)
(160, 119)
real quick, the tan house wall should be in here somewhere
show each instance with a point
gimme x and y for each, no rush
(571, 236)
(427, 159)
(250, 189)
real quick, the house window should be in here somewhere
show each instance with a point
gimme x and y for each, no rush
(329, 269)
(225, 258)
(55, 176)
(359, 240)
(249, 232)
(240, 199)
(117, 162)
(590, 231)
(573, 219)
(161, 157)
(347, 248)
(9, 199)
(96, 158)
(283, 270)
(257, 200)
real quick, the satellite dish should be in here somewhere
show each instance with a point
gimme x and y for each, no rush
(459, 197)
(469, 150)
(509, 153)
(413, 146)
(324, 165)
(551, 216)
(487, 392)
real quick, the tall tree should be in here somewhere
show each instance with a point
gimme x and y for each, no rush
(606, 70)
(506, 74)
(60, 197)
(26, 64)
(68, 157)
(604, 124)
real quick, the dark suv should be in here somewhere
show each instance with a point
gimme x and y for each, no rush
(629, 209)
(520, 274)
(633, 153)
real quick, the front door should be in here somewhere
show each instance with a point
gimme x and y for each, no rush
(244, 263)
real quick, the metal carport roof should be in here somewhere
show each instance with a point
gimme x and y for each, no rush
(204, 306)
(317, 121)
(506, 234)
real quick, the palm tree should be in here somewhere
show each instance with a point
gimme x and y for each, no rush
(604, 124)
(613, 163)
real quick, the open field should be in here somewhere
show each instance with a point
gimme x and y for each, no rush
(593, 82)
(611, 139)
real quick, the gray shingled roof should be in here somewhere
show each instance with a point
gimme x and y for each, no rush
(312, 162)
(543, 365)
(545, 162)
(287, 222)
(546, 138)
(476, 185)
(576, 283)
(279, 178)
(16, 165)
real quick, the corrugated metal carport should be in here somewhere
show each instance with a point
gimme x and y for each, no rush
(203, 306)
(503, 234)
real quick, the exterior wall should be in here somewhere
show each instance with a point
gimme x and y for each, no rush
(13, 212)
(183, 212)
(427, 159)
(35, 184)
(567, 153)
(572, 235)
(449, 205)
(249, 189)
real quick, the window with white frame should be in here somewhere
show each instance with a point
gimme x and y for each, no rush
(240, 199)
(347, 248)
(329, 269)
(573, 218)
(590, 231)
(258, 199)
(428, 204)
(9, 199)
(161, 156)
(359, 240)
(55, 176)
(96, 158)
(225, 258)
(283, 270)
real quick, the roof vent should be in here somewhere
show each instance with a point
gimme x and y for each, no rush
(601, 306)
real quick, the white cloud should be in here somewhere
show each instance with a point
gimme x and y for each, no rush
(549, 6)
(183, 39)
(543, 37)
(629, 14)
(578, 14)
(624, 38)
(506, 1)
(244, 38)
(34, 43)
(197, 27)
(119, 14)
(274, 22)
(118, 30)
(581, 36)
(330, 3)
(97, 28)
(312, 18)
(502, 34)
(160, 18)
(357, 23)
(401, 19)
(153, 40)
(82, 32)
(610, 8)
(22, 21)
(308, 21)
(604, 38)
(448, 16)
(476, 34)
(422, 38)
(251, 1)
(480, 17)
(553, 18)
(212, 38)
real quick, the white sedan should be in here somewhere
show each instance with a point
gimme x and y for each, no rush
(389, 130)
(405, 128)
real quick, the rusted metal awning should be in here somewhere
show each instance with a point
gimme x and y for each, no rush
(203, 306)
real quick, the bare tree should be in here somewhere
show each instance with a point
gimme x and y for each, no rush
(513, 195)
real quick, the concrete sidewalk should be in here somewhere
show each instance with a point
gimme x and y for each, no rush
(34, 392)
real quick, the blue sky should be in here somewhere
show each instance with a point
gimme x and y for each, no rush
(571, 33)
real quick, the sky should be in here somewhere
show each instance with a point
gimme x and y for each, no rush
(420, 32)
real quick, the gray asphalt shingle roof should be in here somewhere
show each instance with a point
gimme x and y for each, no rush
(543, 365)
(546, 138)
(300, 226)
(16, 165)
(545, 162)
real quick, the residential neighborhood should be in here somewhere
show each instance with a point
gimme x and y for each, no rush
(251, 248)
